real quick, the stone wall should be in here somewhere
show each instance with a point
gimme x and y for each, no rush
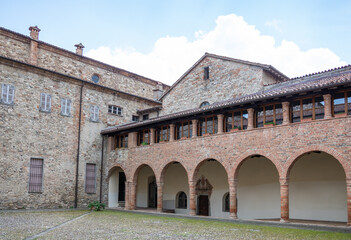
(27, 132)
(227, 80)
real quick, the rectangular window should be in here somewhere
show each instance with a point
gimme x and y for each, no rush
(135, 118)
(206, 73)
(145, 117)
(66, 106)
(310, 108)
(163, 134)
(144, 137)
(122, 141)
(90, 180)
(115, 110)
(208, 125)
(236, 120)
(36, 175)
(45, 102)
(184, 130)
(7, 93)
(271, 114)
(342, 103)
(94, 113)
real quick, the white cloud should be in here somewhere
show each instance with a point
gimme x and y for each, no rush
(232, 37)
(274, 23)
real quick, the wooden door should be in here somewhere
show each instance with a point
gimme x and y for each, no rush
(203, 205)
(152, 194)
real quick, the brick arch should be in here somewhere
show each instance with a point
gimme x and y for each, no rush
(164, 170)
(330, 151)
(198, 166)
(241, 159)
(136, 172)
(112, 168)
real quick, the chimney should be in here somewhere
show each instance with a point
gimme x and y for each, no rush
(34, 32)
(79, 49)
(33, 54)
(158, 91)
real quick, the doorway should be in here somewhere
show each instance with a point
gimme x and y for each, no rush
(152, 193)
(203, 203)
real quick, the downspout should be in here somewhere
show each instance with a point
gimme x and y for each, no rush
(102, 165)
(78, 148)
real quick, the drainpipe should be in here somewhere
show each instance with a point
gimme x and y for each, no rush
(78, 148)
(102, 165)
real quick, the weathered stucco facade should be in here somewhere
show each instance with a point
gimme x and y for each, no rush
(264, 147)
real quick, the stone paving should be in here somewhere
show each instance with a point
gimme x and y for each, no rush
(81, 224)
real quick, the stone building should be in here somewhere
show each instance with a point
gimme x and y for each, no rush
(230, 138)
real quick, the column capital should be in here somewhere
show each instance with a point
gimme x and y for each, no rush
(284, 181)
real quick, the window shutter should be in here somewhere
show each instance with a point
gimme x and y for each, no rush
(48, 102)
(68, 109)
(92, 113)
(3, 92)
(63, 106)
(42, 101)
(11, 94)
(96, 113)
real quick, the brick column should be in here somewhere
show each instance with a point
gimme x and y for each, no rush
(250, 121)
(286, 113)
(327, 106)
(33, 55)
(192, 199)
(348, 192)
(132, 139)
(132, 196)
(110, 143)
(194, 122)
(233, 208)
(284, 199)
(152, 136)
(220, 118)
(172, 133)
(127, 192)
(159, 197)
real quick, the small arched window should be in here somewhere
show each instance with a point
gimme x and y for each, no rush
(182, 200)
(95, 78)
(226, 202)
(204, 104)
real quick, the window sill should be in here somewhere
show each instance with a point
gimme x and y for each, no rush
(117, 115)
(43, 111)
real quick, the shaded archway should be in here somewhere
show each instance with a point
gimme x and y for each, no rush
(175, 180)
(258, 188)
(211, 183)
(116, 187)
(317, 188)
(145, 187)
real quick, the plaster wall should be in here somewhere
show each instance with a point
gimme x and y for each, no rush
(142, 186)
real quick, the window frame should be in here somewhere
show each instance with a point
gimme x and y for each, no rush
(301, 110)
(346, 103)
(66, 107)
(181, 125)
(121, 140)
(159, 135)
(142, 137)
(137, 117)
(264, 120)
(115, 110)
(45, 104)
(94, 113)
(184, 203)
(241, 119)
(8, 91)
(215, 118)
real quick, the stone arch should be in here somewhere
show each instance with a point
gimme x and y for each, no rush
(113, 168)
(137, 170)
(198, 166)
(164, 170)
(332, 152)
(235, 170)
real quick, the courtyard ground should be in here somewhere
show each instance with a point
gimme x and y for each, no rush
(81, 224)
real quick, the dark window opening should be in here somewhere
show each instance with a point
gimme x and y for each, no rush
(135, 118)
(184, 130)
(206, 73)
(145, 117)
(182, 200)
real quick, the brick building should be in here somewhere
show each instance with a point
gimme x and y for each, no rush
(230, 138)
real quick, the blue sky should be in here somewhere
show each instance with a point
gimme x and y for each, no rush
(125, 32)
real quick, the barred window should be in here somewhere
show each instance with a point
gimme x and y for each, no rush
(66, 106)
(94, 113)
(90, 178)
(45, 102)
(35, 175)
(7, 93)
(115, 110)
(182, 200)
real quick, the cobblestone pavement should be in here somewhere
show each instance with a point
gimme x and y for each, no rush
(123, 225)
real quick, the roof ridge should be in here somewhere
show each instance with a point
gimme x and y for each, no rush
(324, 71)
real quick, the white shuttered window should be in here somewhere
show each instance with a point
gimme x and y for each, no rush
(66, 106)
(94, 113)
(7, 93)
(45, 102)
